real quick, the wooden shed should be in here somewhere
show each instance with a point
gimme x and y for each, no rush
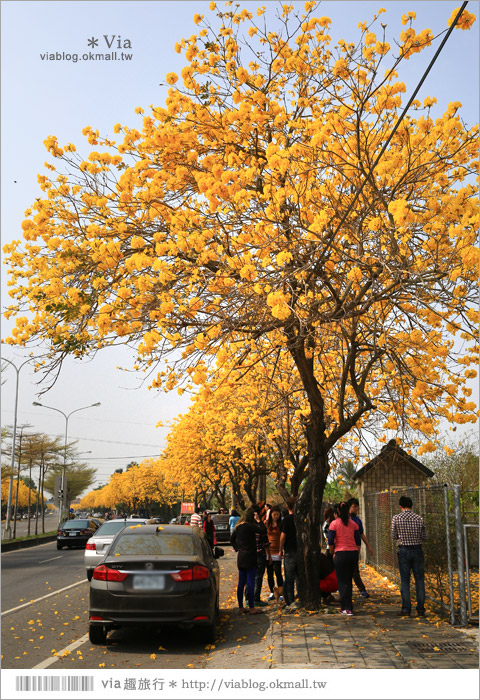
(391, 469)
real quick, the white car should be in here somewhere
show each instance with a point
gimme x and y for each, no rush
(98, 545)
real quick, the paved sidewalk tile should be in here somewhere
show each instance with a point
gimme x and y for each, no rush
(373, 638)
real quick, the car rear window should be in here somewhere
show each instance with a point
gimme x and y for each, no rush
(75, 524)
(110, 528)
(220, 518)
(154, 543)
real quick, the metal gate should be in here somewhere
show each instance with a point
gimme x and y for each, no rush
(470, 538)
(446, 549)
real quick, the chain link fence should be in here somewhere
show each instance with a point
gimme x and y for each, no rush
(446, 559)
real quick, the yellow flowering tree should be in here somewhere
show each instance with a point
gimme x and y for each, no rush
(140, 486)
(220, 446)
(25, 495)
(224, 225)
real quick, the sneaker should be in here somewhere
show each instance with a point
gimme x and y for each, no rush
(271, 597)
(290, 608)
(365, 594)
(346, 612)
(403, 613)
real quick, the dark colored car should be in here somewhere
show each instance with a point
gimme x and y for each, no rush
(155, 575)
(99, 521)
(222, 529)
(75, 533)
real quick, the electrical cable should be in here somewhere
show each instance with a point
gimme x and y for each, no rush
(359, 192)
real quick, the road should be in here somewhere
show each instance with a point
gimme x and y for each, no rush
(45, 603)
(28, 574)
(51, 522)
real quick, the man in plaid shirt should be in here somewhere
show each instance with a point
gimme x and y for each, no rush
(409, 529)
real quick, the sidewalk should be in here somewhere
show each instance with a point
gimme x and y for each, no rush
(374, 638)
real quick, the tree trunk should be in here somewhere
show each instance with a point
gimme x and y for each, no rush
(308, 507)
(308, 521)
(282, 490)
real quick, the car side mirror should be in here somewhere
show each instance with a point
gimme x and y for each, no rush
(218, 552)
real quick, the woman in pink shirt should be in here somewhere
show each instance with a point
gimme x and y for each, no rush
(344, 540)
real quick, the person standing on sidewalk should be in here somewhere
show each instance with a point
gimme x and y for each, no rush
(209, 530)
(354, 504)
(274, 568)
(328, 517)
(263, 560)
(409, 529)
(243, 541)
(288, 548)
(196, 519)
(344, 540)
(233, 520)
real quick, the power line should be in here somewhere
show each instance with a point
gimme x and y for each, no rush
(97, 420)
(130, 457)
(114, 442)
(400, 119)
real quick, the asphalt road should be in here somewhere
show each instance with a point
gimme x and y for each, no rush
(28, 574)
(51, 522)
(51, 630)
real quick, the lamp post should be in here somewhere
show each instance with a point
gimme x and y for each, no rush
(7, 533)
(66, 416)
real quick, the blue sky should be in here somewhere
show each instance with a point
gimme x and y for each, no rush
(43, 97)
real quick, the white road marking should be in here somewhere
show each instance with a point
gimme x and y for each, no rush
(60, 590)
(44, 560)
(51, 660)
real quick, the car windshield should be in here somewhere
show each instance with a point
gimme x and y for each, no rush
(110, 528)
(75, 524)
(154, 543)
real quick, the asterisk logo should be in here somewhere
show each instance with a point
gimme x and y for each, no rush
(93, 42)
(173, 684)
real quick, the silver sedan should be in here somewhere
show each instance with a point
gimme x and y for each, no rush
(97, 546)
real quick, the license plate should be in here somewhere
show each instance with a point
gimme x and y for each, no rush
(73, 533)
(221, 527)
(151, 582)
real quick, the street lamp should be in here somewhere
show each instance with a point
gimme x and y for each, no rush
(7, 533)
(66, 416)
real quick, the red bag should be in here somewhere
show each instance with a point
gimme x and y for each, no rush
(329, 584)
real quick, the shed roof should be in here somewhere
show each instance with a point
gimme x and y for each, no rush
(391, 449)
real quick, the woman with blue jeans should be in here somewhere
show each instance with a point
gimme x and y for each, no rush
(344, 540)
(244, 542)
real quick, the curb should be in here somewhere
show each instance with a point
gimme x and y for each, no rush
(23, 544)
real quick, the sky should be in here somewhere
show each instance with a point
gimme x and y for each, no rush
(42, 97)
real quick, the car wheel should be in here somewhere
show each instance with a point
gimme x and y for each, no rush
(97, 634)
(89, 574)
(209, 633)
(59, 546)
